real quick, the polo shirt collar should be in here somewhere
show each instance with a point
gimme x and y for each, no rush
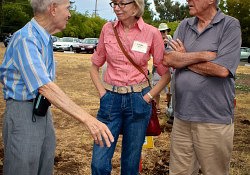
(46, 37)
(217, 18)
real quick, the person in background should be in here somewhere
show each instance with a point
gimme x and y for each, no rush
(27, 70)
(164, 29)
(206, 54)
(125, 94)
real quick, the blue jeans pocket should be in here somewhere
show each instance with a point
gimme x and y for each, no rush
(106, 103)
(141, 109)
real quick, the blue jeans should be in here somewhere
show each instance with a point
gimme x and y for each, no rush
(127, 113)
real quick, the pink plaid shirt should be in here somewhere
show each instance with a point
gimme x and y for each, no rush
(120, 71)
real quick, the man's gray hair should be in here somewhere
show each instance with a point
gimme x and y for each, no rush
(40, 6)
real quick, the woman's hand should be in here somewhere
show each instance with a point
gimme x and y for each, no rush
(102, 93)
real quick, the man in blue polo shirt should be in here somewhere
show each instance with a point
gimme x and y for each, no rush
(28, 68)
(206, 53)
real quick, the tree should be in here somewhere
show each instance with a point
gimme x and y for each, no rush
(14, 14)
(14, 17)
(171, 12)
(83, 26)
(240, 9)
(223, 5)
(148, 13)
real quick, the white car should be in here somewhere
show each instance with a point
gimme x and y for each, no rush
(66, 44)
(244, 53)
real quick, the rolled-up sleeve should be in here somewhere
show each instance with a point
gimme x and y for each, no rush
(99, 56)
(157, 51)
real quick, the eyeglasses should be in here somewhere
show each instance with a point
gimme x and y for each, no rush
(163, 31)
(120, 4)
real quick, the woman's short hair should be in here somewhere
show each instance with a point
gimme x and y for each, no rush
(40, 6)
(140, 4)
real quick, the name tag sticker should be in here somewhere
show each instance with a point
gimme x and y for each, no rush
(139, 47)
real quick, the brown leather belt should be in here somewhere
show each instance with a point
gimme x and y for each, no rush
(126, 89)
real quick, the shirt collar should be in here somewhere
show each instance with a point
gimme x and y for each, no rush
(46, 37)
(140, 23)
(217, 18)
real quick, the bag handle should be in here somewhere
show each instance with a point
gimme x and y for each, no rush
(127, 55)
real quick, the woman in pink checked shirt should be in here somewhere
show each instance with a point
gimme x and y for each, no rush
(125, 94)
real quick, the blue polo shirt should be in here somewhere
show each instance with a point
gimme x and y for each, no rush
(28, 62)
(201, 98)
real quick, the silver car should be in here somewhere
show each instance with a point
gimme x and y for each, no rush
(66, 44)
(244, 54)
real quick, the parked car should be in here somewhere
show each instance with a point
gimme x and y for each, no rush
(245, 54)
(66, 44)
(88, 45)
(55, 38)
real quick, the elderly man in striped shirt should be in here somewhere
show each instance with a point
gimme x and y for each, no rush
(28, 69)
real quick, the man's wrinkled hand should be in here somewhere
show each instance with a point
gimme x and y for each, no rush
(211, 55)
(100, 132)
(177, 45)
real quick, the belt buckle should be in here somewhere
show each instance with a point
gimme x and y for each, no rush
(122, 90)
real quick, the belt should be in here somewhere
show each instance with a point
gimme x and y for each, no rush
(31, 100)
(126, 89)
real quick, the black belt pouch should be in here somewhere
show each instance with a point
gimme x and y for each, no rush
(41, 105)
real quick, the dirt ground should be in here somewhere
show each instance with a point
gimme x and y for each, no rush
(74, 143)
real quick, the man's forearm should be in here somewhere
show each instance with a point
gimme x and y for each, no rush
(58, 98)
(209, 69)
(180, 59)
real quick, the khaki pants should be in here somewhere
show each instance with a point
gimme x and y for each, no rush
(200, 145)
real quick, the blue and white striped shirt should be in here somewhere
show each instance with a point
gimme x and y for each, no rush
(28, 62)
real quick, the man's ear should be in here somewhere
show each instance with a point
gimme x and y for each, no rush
(52, 9)
(211, 2)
